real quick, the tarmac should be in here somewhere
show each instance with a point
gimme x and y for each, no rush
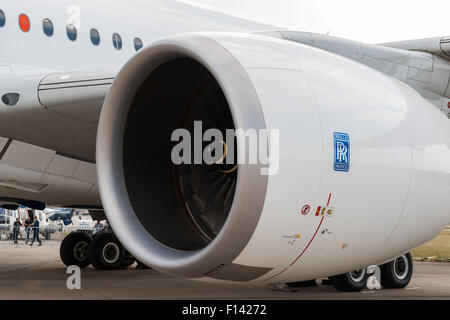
(30, 273)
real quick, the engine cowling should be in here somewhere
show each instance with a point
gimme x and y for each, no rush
(307, 220)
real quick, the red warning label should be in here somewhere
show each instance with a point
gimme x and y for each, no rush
(305, 210)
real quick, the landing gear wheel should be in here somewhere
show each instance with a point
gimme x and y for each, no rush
(106, 253)
(74, 249)
(128, 260)
(397, 273)
(350, 281)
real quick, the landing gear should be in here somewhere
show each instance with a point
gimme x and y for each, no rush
(103, 251)
(106, 253)
(394, 275)
(74, 249)
(350, 281)
(397, 273)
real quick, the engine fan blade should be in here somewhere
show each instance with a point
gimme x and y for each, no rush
(200, 178)
(214, 213)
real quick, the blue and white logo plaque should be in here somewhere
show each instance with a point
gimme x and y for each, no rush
(341, 152)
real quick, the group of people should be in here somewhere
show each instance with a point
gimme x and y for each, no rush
(31, 225)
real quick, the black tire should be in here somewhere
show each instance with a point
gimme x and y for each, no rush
(350, 281)
(73, 250)
(128, 260)
(106, 252)
(397, 273)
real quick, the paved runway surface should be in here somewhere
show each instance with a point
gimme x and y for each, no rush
(37, 273)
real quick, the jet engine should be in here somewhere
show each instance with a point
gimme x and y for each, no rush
(359, 169)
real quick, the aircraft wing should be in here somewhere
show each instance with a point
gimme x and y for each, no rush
(422, 64)
(50, 110)
(48, 128)
(439, 46)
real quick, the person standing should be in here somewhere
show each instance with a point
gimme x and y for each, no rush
(28, 224)
(98, 227)
(16, 230)
(36, 232)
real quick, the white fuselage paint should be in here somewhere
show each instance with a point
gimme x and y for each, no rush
(33, 52)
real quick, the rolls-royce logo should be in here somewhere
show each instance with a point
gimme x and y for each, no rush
(341, 152)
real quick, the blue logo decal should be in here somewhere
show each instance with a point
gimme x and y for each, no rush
(341, 152)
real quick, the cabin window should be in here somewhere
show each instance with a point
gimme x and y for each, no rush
(117, 41)
(95, 37)
(2, 18)
(138, 44)
(71, 32)
(24, 23)
(47, 25)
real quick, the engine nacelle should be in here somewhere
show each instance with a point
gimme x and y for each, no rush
(317, 216)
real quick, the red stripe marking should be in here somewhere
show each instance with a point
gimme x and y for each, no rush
(304, 250)
(276, 274)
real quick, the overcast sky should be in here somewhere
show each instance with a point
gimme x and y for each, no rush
(371, 21)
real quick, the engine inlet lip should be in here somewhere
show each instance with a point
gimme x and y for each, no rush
(251, 186)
